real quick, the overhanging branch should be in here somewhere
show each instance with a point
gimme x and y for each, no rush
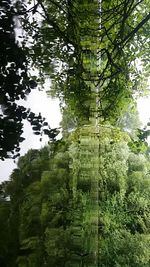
(134, 31)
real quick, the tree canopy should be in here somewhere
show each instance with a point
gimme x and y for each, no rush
(71, 36)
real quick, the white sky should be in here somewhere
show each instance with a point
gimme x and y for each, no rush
(144, 109)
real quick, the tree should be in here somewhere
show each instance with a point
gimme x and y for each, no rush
(15, 84)
(123, 203)
(4, 231)
(59, 31)
(49, 211)
(73, 37)
(122, 29)
(84, 200)
(69, 54)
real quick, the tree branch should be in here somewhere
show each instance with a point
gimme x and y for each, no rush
(134, 31)
(55, 26)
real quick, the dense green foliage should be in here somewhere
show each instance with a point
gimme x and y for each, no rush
(83, 200)
(79, 43)
(46, 205)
